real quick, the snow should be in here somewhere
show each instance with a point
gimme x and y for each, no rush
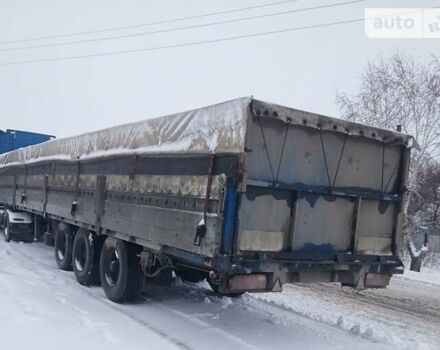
(426, 276)
(416, 252)
(45, 308)
(406, 315)
(38, 311)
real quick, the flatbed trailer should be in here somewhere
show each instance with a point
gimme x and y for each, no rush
(247, 194)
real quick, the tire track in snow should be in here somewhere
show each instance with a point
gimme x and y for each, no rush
(72, 282)
(121, 309)
(369, 315)
(409, 309)
(208, 327)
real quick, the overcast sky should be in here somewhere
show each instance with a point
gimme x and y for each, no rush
(301, 69)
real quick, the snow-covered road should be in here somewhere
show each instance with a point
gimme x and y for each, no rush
(406, 315)
(45, 308)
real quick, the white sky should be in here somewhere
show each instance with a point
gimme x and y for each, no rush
(302, 69)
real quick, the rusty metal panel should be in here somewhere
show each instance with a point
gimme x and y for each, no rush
(316, 161)
(310, 157)
(323, 224)
(100, 199)
(376, 219)
(263, 241)
(374, 246)
(6, 180)
(45, 190)
(6, 195)
(87, 181)
(184, 185)
(33, 199)
(161, 226)
(35, 180)
(265, 213)
(377, 280)
(6, 188)
(375, 227)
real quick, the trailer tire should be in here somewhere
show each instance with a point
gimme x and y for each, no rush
(122, 277)
(2, 218)
(85, 257)
(7, 229)
(63, 247)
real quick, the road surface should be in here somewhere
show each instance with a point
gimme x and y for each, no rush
(43, 307)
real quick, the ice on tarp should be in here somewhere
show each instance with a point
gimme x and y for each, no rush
(219, 128)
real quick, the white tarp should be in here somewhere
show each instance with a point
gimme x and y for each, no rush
(220, 128)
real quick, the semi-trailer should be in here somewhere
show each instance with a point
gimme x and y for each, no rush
(246, 194)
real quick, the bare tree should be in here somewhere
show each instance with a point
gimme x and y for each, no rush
(400, 91)
(424, 209)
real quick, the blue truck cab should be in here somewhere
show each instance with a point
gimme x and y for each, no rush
(14, 139)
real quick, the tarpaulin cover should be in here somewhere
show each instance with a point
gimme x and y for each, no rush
(219, 128)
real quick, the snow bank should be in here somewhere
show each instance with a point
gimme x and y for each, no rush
(426, 275)
(404, 316)
(432, 262)
(322, 308)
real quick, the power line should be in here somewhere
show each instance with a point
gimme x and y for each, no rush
(192, 43)
(184, 27)
(171, 20)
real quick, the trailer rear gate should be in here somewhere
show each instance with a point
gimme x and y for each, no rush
(343, 191)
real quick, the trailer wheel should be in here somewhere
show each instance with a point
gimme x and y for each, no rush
(120, 270)
(85, 257)
(7, 229)
(63, 247)
(2, 218)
